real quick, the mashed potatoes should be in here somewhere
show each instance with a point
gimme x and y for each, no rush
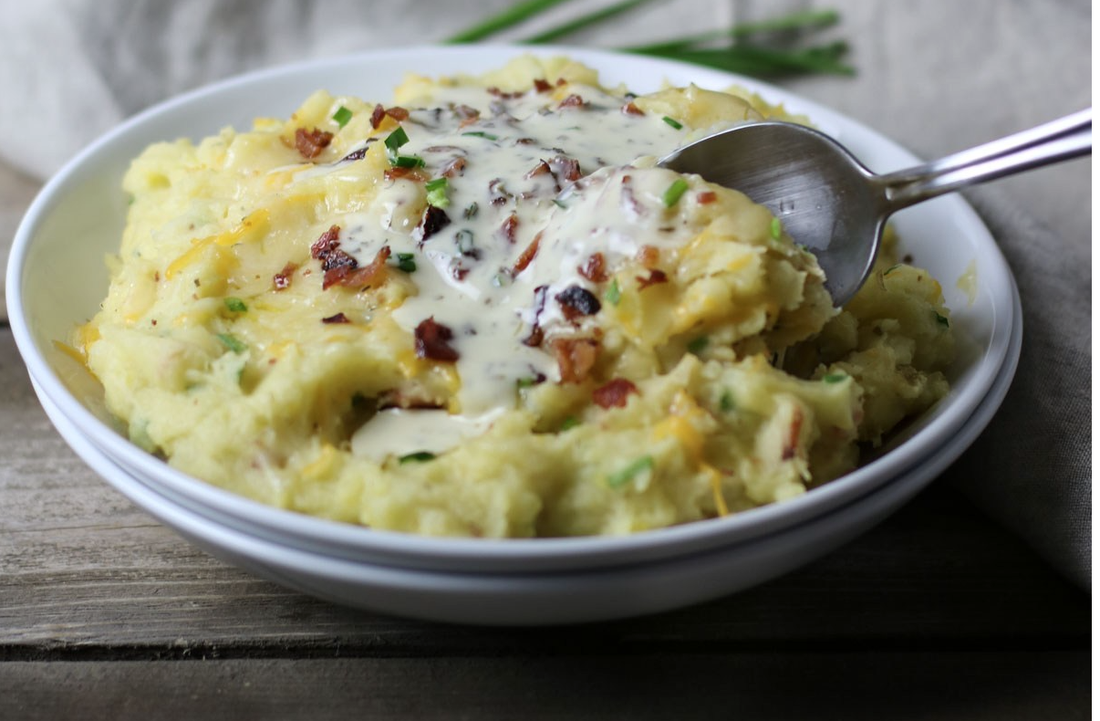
(482, 310)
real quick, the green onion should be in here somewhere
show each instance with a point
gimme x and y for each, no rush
(470, 212)
(698, 345)
(236, 305)
(396, 139)
(794, 22)
(526, 382)
(776, 229)
(942, 320)
(482, 134)
(613, 294)
(645, 463)
(418, 457)
(726, 402)
(891, 269)
(834, 378)
(342, 116)
(407, 161)
(406, 262)
(673, 122)
(675, 192)
(509, 17)
(570, 422)
(584, 21)
(437, 192)
(232, 343)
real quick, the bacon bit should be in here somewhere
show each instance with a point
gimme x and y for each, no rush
(594, 268)
(541, 86)
(328, 242)
(453, 168)
(467, 114)
(655, 277)
(565, 168)
(790, 448)
(281, 280)
(396, 173)
(572, 101)
(497, 194)
(541, 169)
(377, 116)
(575, 302)
(338, 318)
(508, 228)
(398, 113)
(527, 256)
(614, 393)
(575, 357)
(310, 143)
(374, 273)
(707, 196)
(525, 141)
(355, 155)
(498, 93)
(534, 340)
(648, 256)
(561, 81)
(632, 109)
(431, 341)
(434, 220)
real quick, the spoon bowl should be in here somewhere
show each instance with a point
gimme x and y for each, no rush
(837, 208)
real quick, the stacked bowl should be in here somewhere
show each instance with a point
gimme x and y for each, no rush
(57, 278)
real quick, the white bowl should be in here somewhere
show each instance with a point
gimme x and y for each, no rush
(56, 279)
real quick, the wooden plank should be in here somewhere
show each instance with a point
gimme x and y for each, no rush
(84, 574)
(852, 686)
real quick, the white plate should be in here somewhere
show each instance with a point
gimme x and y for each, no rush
(56, 279)
(536, 599)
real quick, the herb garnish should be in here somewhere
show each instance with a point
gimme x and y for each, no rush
(437, 192)
(418, 457)
(231, 342)
(675, 192)
(236, 305)
(673, 122)
(342, 116)
(613, 294)
(641, 465)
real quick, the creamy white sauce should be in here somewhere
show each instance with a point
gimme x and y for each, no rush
(464, 270)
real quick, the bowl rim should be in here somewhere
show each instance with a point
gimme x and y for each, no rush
(590, 549)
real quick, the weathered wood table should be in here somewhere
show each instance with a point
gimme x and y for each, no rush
(938, 613)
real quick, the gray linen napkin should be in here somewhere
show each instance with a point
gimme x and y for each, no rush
(71, 69)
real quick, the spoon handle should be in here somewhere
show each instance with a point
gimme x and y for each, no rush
(1062, 139)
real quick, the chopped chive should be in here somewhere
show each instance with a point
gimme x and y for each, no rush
(418, 457)
(407, 161)
(613, 294)
(776, 229)
(232, 343)
(482, 134)
(342, 116)
(396, 139)
(942, 320)
(512, 15)
(406, 262)
(464, 239)
(628, 474)
(891, 269)
(673, 122)
(437, 192)
(527, 382)
(235, 304)
(570, 422)
(726, 402)
(675, 192)
(470, 212)
(698, 345)
(834, 378)
(560, 203)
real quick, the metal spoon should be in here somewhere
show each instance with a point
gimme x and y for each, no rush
(830, 203)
